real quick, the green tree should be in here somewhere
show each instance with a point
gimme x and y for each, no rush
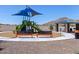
(51, 27)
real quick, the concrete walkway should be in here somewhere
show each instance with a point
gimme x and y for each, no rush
(64, 36)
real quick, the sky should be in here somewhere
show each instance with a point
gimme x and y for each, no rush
(49, 13)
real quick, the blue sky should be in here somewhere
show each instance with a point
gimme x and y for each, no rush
(50, 12)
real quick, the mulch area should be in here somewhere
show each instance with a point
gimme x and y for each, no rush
(13, 35)
(49, 47)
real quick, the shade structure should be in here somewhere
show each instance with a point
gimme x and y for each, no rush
(65, 21)
(21, 13)
(31, 12)
(27, 12)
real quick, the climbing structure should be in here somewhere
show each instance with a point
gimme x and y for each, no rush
(27, 25)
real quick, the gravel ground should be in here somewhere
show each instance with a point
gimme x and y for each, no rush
(50, 47)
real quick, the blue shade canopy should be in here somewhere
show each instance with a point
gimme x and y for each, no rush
(31, 12)
(21, 13)
(27, 12)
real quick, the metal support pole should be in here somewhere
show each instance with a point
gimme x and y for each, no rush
(57, 27)
(68, 26)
